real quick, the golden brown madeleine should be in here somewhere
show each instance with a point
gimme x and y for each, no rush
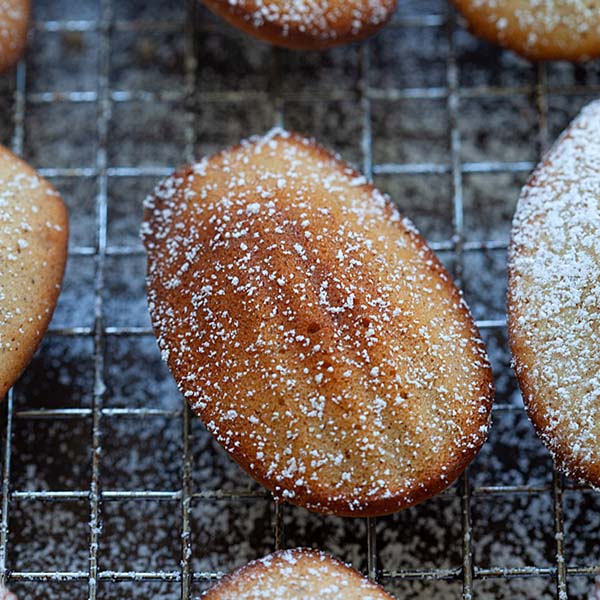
(14, 19)
(554, 297)
(298, 574)
(33, 251)
(306, 24)
(311, 328)
(549, 30)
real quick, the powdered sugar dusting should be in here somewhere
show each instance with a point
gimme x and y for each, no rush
(316, 18)
(11, 37)
(15, 231)
(543, 19)
(28, 232)
(555, 295)
(315, 334)
(296, 575)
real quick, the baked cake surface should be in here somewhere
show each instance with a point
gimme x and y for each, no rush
(554, 297)
(312, 329)
(33, 251)
(298, 574)
(14, 19)
(538, 29)
(306, 24)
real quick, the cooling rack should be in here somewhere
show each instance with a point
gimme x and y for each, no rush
(110, 487)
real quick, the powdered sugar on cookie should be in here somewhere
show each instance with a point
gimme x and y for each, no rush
(538, 29)
(306, 24)
(542, 17)
(14, 15)
(312, 329)
(554, 297)
(33, 241)
(296, 575)
(313, 16)
(11, 11)
(16, 236)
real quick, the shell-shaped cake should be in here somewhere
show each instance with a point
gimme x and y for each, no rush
(297, 574)
(313, 331)
(14, 20)
(33, 251)
(554, 297)
(547, 30)
(306, 24)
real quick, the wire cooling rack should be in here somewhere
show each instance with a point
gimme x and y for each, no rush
(110, 487)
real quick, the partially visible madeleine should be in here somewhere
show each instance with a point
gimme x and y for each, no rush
(14, 20)
(306, 24)
(312, 329)
(554, 297)
(33, 251)
(538, 30)
(298, 574)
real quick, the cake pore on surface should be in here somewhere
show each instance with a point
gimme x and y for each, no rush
(554, 297)
(313, 331)
(298, 574)
(306, 24)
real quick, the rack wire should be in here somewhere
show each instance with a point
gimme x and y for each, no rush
(465, 578)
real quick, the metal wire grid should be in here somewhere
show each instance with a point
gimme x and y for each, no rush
(105, 98)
